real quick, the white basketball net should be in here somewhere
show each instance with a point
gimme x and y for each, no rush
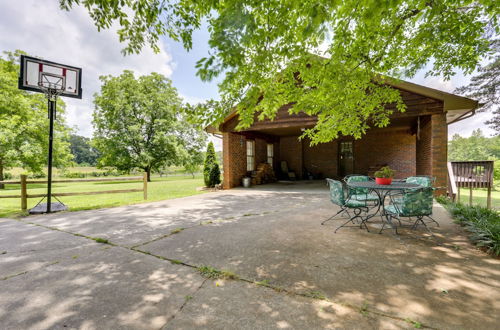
(51, 84)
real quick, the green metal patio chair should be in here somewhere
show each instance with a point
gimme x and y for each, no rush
(338, 197)
(412, 203)
(423, 180)
(361, 194)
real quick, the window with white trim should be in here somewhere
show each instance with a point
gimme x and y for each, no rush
(270, 154)
(250, 155)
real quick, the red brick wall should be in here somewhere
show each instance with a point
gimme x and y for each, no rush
(291, 151)
(424, 143)
(439, 151)
(432, 149)
(321, 158)
(395, 148)
(399, 149)
(234, 159)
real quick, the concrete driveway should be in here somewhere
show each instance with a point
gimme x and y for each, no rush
(291, 271)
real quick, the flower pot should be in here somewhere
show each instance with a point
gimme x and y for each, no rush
(384, 181)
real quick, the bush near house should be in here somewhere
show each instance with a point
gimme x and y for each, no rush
(211, 171)
(482, 223)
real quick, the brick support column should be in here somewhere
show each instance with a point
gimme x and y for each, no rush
(234, 159)
(432, 149)
(440, 151)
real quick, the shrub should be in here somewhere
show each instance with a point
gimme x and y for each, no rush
(39, 175)
(211, 171)
(482, 223)
(74, 175)
(7, 176)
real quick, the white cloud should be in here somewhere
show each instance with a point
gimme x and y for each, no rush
(42, 29)
(192, 99)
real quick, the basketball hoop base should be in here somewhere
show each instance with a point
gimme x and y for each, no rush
(54, 207)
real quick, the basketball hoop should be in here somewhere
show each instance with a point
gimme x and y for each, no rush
(52, 79)
(51, 84)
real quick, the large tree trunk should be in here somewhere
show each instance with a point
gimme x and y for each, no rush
(2, 186)
(148, 171)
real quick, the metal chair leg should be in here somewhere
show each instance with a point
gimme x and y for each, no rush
(389, 221)
(420, 219)
(437, 223)
(383, 225)
(363, 221)
(350, 220)
(333, 216)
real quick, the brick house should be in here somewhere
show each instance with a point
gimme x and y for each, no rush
(415, 142)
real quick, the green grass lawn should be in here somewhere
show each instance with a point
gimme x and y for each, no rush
(158, 189)
(479, 197)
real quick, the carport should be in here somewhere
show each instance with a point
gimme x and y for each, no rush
(414, 143)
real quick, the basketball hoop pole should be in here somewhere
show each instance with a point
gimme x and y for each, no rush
(52, 110)
(53, 79)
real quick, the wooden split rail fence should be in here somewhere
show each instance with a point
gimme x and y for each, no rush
(24, 188)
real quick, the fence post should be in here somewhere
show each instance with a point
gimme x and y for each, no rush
(470, 193)
(145, 185)
(24, 193)
(488, 198)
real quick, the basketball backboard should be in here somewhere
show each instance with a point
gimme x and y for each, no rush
(38, 75)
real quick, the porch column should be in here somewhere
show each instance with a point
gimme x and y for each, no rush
(234, 159)
(432, 149)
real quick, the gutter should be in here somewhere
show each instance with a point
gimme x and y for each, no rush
(467, 114)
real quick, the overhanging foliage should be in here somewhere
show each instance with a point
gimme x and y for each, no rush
(253, 40)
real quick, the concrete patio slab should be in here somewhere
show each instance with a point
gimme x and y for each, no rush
(236, 305)
(270, 233)
(26, 247)
(101, 288)
(447, 285)
(133, 224)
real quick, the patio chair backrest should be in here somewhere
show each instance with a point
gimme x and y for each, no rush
(424, 181)
(357, 178)
(337, 196)
(416, 202)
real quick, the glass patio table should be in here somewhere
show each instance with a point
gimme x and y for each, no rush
(382, 191)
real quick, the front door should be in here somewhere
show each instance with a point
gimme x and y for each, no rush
(346, 158)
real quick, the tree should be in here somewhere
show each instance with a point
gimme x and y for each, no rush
(485, 86)
(82, 150)
(268, 51)
(193, 140)
(24, 127)
(474, 147)
(137, 122)
(211, 171)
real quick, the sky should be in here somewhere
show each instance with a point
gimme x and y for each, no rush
(41, 29)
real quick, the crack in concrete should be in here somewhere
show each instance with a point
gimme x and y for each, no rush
(236, 278)
(186, 300)
(28, 271)
(205, 223)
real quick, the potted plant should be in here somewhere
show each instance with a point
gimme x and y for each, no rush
(384, 175)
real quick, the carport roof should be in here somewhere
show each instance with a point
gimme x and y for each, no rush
(456, 107)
